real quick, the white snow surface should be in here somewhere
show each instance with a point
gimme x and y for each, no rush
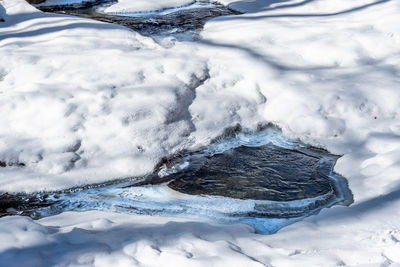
(84, 102)
(129, 6)
(98, 238)
(63, 2)
(95, 101)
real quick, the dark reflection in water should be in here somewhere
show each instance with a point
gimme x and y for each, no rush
(260, 173)
(22, 204)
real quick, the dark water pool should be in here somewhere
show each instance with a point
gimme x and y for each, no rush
(262, 179)
(261, 173)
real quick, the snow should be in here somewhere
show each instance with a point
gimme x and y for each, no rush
(318, 71)
(130, 6)
(97, 238)
(87, 102)
(125, 6)
(63, 2)
(90, 108)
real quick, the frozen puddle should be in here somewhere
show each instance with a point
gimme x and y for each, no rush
(183, 22)
(264, 180)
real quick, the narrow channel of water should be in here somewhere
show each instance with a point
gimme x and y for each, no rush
(181, 23)
(262, 179)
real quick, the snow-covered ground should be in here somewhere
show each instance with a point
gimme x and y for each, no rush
(127, 6)
(63, 2)
(366, 235)
(87, 101)
(84, 102)
(324, 71)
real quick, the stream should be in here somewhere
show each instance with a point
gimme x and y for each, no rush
(262, 178)
(181, 23)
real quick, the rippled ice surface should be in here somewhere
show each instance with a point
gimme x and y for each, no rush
(262, 179)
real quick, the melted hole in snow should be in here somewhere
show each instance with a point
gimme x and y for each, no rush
(263, 179)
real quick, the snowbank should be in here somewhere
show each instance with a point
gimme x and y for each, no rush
(125, 6)
(103, 239)
(324, 71)
(87, 101)
(64, 2)
(128, 6)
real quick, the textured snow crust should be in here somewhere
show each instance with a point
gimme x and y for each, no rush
(326, 72)
(97, 238)
(87, 101)
(63, 2)
(84, 102)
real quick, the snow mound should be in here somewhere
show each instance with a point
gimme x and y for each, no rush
(131, 6)
(64, 2)
(323, 71)
(110, 103)
(104, 238)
